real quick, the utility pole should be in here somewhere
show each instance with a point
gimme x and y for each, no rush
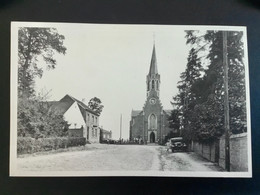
(226, 102)
(120, 128)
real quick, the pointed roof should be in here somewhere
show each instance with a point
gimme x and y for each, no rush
(65, 103)
(153, 65)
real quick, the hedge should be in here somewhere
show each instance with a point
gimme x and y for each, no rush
(28, 145)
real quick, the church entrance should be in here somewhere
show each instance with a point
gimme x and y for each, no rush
(152, 137)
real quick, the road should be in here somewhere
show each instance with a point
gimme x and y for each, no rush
(102, 157)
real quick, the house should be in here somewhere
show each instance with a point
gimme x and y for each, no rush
(105, 134)
(83, 121)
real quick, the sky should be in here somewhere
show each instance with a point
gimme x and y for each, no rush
(111, 62)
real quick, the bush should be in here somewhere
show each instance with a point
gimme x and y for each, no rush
(25, 145)
(76, 141)
(28, 145)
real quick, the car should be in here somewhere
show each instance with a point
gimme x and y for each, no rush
(178, 144)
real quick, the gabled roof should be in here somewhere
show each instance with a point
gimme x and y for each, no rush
(153, 65)
(65, 103)
(135, 112)
(84, 106)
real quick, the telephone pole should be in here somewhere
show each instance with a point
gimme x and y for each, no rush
(120, 128)
(226, 102)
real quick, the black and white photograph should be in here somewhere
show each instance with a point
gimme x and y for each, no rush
(129, 100)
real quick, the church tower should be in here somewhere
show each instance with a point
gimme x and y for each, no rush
(151, 123)
(152, 108)
(153, 78)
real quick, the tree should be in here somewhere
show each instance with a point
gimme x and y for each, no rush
(36, 118)
(186, 98)
(174, 120)
(32, 43)
(209, 111)
(95, 104)
(201, 92)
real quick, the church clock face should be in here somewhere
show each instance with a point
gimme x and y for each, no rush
(152, 101)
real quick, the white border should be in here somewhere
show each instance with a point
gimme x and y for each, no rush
(13, 122)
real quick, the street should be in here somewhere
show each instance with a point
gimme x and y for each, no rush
(103, 157)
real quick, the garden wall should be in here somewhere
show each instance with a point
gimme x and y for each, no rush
(238, 152)
(207, 150)
(215, 151)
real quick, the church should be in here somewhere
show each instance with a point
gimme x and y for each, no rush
(151, 123)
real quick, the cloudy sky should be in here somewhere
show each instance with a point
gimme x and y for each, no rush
(111, 62)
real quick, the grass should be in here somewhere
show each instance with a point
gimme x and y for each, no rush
(60, 150)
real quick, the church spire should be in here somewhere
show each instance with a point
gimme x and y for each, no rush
(153, 65)
(153, 78)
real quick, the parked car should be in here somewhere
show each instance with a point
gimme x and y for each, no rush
(178, 144)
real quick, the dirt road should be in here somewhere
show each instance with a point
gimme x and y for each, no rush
(116, 158)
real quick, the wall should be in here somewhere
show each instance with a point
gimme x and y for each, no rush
(207, 150)
(238, 151)
(74, 117)
(92, 122)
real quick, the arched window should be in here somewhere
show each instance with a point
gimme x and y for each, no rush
(148, 86)
(152, 84)
(157, 85)
(152, 122)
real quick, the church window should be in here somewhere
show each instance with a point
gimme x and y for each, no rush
(148, 86)
(157, 85)
(152, 84)
(152, 121)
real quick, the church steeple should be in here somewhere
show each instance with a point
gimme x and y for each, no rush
(153, 78)
(153, 65)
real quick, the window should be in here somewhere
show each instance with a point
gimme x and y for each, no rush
(93, 132)
(157, 85)
(152, 84)
(152, 122)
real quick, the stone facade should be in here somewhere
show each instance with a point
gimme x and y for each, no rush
(151, 123)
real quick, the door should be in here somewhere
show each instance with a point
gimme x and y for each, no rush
(87, 133)
(152, 137)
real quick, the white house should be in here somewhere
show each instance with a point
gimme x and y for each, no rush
(83, 121)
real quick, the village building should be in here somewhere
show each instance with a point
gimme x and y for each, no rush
(151, 123)
(105, 134)
(83, 122)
